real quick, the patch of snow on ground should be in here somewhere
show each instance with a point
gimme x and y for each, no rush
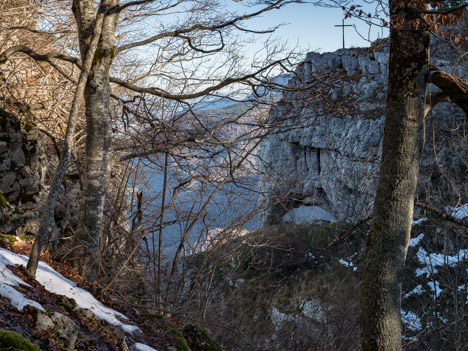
(347, 264)
(411, 320)
(417, 290)
(460, 212)
(435, 287)
(142, 347)
(58, 284)
(415, 241)
(308, 215)
(7, 283)
(419, 221)
(464, 288)
(434, 260)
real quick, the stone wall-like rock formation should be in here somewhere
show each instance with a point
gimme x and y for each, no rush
(329, 154)
(21, 173)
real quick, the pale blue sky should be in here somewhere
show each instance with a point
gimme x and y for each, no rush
(313, 27)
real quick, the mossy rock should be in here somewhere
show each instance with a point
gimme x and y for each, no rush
(159, 320)
(14, 342)
(7, 240)
(27, 123)
(4, 201)
(67, 303)
(199, 340)
(180, 341)
(284, 299)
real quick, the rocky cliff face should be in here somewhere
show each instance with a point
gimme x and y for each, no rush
(329, 155)
(21, 173)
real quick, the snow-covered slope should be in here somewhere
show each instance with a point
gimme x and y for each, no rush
(58, 284)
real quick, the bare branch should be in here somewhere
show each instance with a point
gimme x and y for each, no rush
(441, 12)
(443, 215)
(120, 8)
(33, 30)
(156, 150)
(164, 94)
(434, 100)
(52, 138)
(455, 88)
(193, 47)
(40, 57)
(200, 27)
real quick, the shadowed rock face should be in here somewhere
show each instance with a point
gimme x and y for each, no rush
(330, 151)
(21, 173)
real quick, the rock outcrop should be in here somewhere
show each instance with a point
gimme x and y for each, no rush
(325, 145)
(63, 328)
(21, 173)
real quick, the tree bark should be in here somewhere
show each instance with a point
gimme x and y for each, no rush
(393, 208)
(43, 233)
(98, 138)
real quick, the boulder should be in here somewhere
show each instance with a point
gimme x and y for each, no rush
(64, 329)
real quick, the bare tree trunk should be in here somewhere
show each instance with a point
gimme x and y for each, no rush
(98, 140)
(393, 209)
(160, 234)
(43, 233)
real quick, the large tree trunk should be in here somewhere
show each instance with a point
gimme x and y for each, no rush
(98, 140)
(94, 33)
(393, 209)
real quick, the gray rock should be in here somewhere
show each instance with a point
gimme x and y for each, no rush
(64, 329)
(21, 173)
(44, 322)
(86, 312)
(7, 181)
(18, 157)
(3, 147)
(332, 159)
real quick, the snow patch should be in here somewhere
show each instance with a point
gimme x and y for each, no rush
(464, 288)
(142, 347)
(308, 215)
(411, 320)
(418, 290)
(434, 260)
(347, 264)
(460, 212)
(419, 221)
(7, 283)
(415, 241)
(435, 287)
(58, 284)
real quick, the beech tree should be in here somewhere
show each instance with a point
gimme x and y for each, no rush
(195, 32)
(389, 237)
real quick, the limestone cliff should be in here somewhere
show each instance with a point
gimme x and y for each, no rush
(329, 154)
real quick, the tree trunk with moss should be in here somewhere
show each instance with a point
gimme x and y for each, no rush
(393, 209)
